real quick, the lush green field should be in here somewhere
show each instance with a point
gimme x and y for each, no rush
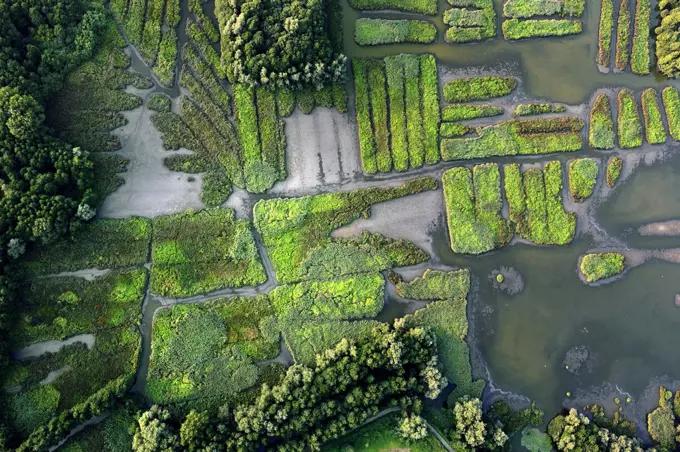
(583, 178)
(453, 130)
(601, 132)
(522, 9)
(599, 266)
(629, 123)
(470, 21)
(514, 29)
(199, 252)
(428, 7)
(371, 32)
(465, 112)
(538, 109)
(473, 209)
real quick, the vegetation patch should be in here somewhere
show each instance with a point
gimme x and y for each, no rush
(478, 88)
(538, 109)
(473, 209)
(297, 231)
(523, 9)
(453, 130)
(640, 59)
(623, 36)
(601, 133)
(113, 434)
(583, 178)
(535, 201)
(667, 58)
(654, 129)
(614, 168)
(428, 7)
(671, 103)
(465, 111)
(470, 21)
(629, 123)
(517, 137)
(514, 29)
(436, 285)
(604, 37)
(598, 266)
(371, 32)
(199, 252)
(203, 354)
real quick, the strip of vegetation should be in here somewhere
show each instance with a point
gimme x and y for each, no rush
(363, 107)
(517, 137)
(640, 59)
(538, 109)
(465, 112)
(429, 88)
(583, 178)
(604, 37)
(371, 32)
(478, 88)
(601, 133)
(671, 103)
(523, 9)
(453, 130)
(414, 111)
(473, 208)
(666, 36)
(398, 129)
(514, 29)
(436, 285)
(199, 252)
(598, 266)
(377, 81)
(535, 201)
(297, 231)
(614, 168)
(623, 36)
(199, 38)
(629, 123)
(654, 129)
(470, 21)
(428, 7)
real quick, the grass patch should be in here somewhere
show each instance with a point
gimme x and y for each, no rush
(623, 36)
(297, 231)
(538, 109)
(436, 285)
(395, 88)
(199, 252)
(629, 124)
(604, 37)
(640, 59)
(470, 21)
(363, 106)
(517, 137)
(453, 130)
(103, 244)
(380, 435)
(671, 104)
(535, 203)
(203, 354)
(371, 32)
(414, 111)
(601, 133)
(464, 112)
(428, 7)
(478, 88)
(378, 95)
(473, 208)
(523, 9)
(654, 129)
(614, 168)
(599, 266)
(514, 29)
(583, 178)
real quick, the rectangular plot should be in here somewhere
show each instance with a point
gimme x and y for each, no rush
(395, 87)
(414, 112)
(429, 87)
(363, 107)
(378, 96)
(640, 58)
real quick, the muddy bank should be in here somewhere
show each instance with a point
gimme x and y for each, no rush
(669, 228)
(35, 350)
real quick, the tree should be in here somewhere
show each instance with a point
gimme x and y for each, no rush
(154, 434)
(412, 427)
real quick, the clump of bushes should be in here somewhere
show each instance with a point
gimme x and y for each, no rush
(370, 32)
(523, 9)
(667, 55)
(478, 88)
(598, 266)
(601, 133)
(582, 178)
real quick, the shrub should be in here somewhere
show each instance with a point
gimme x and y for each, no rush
(478, 88)
(370, 32)
(514, 29)
(640, 59)
(623, 36)
(538, 109)
(598, 266)
(629, 124)
(666, 35)
(306, 100)
(474, 209)
(654, 129)
(614, 168)
(466, 112)
(278, 44)
(661, 421)
(601, 133)
(671, 103)
(428, 7)
(582, 178)
(604, 39)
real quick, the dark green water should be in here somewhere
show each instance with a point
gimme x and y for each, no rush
(630, 326)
